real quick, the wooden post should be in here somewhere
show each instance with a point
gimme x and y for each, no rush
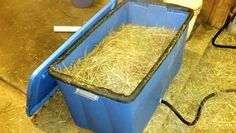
(220, 11)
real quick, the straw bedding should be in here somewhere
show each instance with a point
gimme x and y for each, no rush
(214, 71)
(227, 38)
(123, 58)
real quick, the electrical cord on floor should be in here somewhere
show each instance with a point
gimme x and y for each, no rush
(202, 103)
(220, 31)
(199, 111)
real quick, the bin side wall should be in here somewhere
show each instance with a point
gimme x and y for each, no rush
(102, 116)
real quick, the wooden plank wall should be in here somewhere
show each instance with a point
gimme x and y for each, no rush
(215, 12)
(220, 11)
(206, 10)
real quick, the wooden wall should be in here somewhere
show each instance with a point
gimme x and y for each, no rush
(215, 12)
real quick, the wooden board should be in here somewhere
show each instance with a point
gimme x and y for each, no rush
(220, 11)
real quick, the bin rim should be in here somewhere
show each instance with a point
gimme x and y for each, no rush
(101, 91)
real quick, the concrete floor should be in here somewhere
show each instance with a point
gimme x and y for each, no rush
(27, 39)
(27, 36)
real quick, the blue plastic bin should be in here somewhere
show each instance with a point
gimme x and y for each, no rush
(104, 111)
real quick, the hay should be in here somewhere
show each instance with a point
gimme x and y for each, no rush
(215, 72)
(227, 38)
(123, 58)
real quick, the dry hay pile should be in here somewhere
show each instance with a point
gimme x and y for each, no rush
(227, 38)
(123, 58)
(215, 72)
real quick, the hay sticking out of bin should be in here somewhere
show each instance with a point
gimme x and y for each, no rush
(123, 58)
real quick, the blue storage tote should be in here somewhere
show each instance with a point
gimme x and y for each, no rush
(103, 111)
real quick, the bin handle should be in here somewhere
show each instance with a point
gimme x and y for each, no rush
(39, 89)
(86, 94)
